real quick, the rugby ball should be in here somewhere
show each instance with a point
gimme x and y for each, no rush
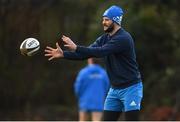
(29, 47)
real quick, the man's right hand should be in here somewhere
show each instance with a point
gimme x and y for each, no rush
(54, 52)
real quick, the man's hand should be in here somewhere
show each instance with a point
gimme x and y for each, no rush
(54, 53)
(69, 43)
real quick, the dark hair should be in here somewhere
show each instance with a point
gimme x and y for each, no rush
(96, 60)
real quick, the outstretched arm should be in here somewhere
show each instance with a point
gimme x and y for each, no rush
(57, 52)
(116, 45)
(72, 54)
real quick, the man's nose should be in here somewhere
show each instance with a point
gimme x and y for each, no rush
(103, 22)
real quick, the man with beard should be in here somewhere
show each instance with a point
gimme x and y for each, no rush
(116, 47)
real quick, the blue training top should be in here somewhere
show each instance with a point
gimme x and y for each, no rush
(91, 87)
(119, 56)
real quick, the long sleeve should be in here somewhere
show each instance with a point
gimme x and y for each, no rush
(80, 56)
(74, 55)
(112, 46)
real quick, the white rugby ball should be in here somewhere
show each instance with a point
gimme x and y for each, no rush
(29, 46)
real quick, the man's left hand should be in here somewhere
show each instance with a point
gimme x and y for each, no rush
(69, 43)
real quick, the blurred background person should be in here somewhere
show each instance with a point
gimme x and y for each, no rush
(91, 87)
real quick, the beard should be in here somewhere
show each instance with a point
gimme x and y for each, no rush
(109, 29)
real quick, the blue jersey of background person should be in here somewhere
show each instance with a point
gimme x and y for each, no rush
(91, 87)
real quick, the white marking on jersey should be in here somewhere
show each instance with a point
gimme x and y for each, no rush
(133, 103)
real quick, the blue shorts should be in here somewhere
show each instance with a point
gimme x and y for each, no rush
(124, 99)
